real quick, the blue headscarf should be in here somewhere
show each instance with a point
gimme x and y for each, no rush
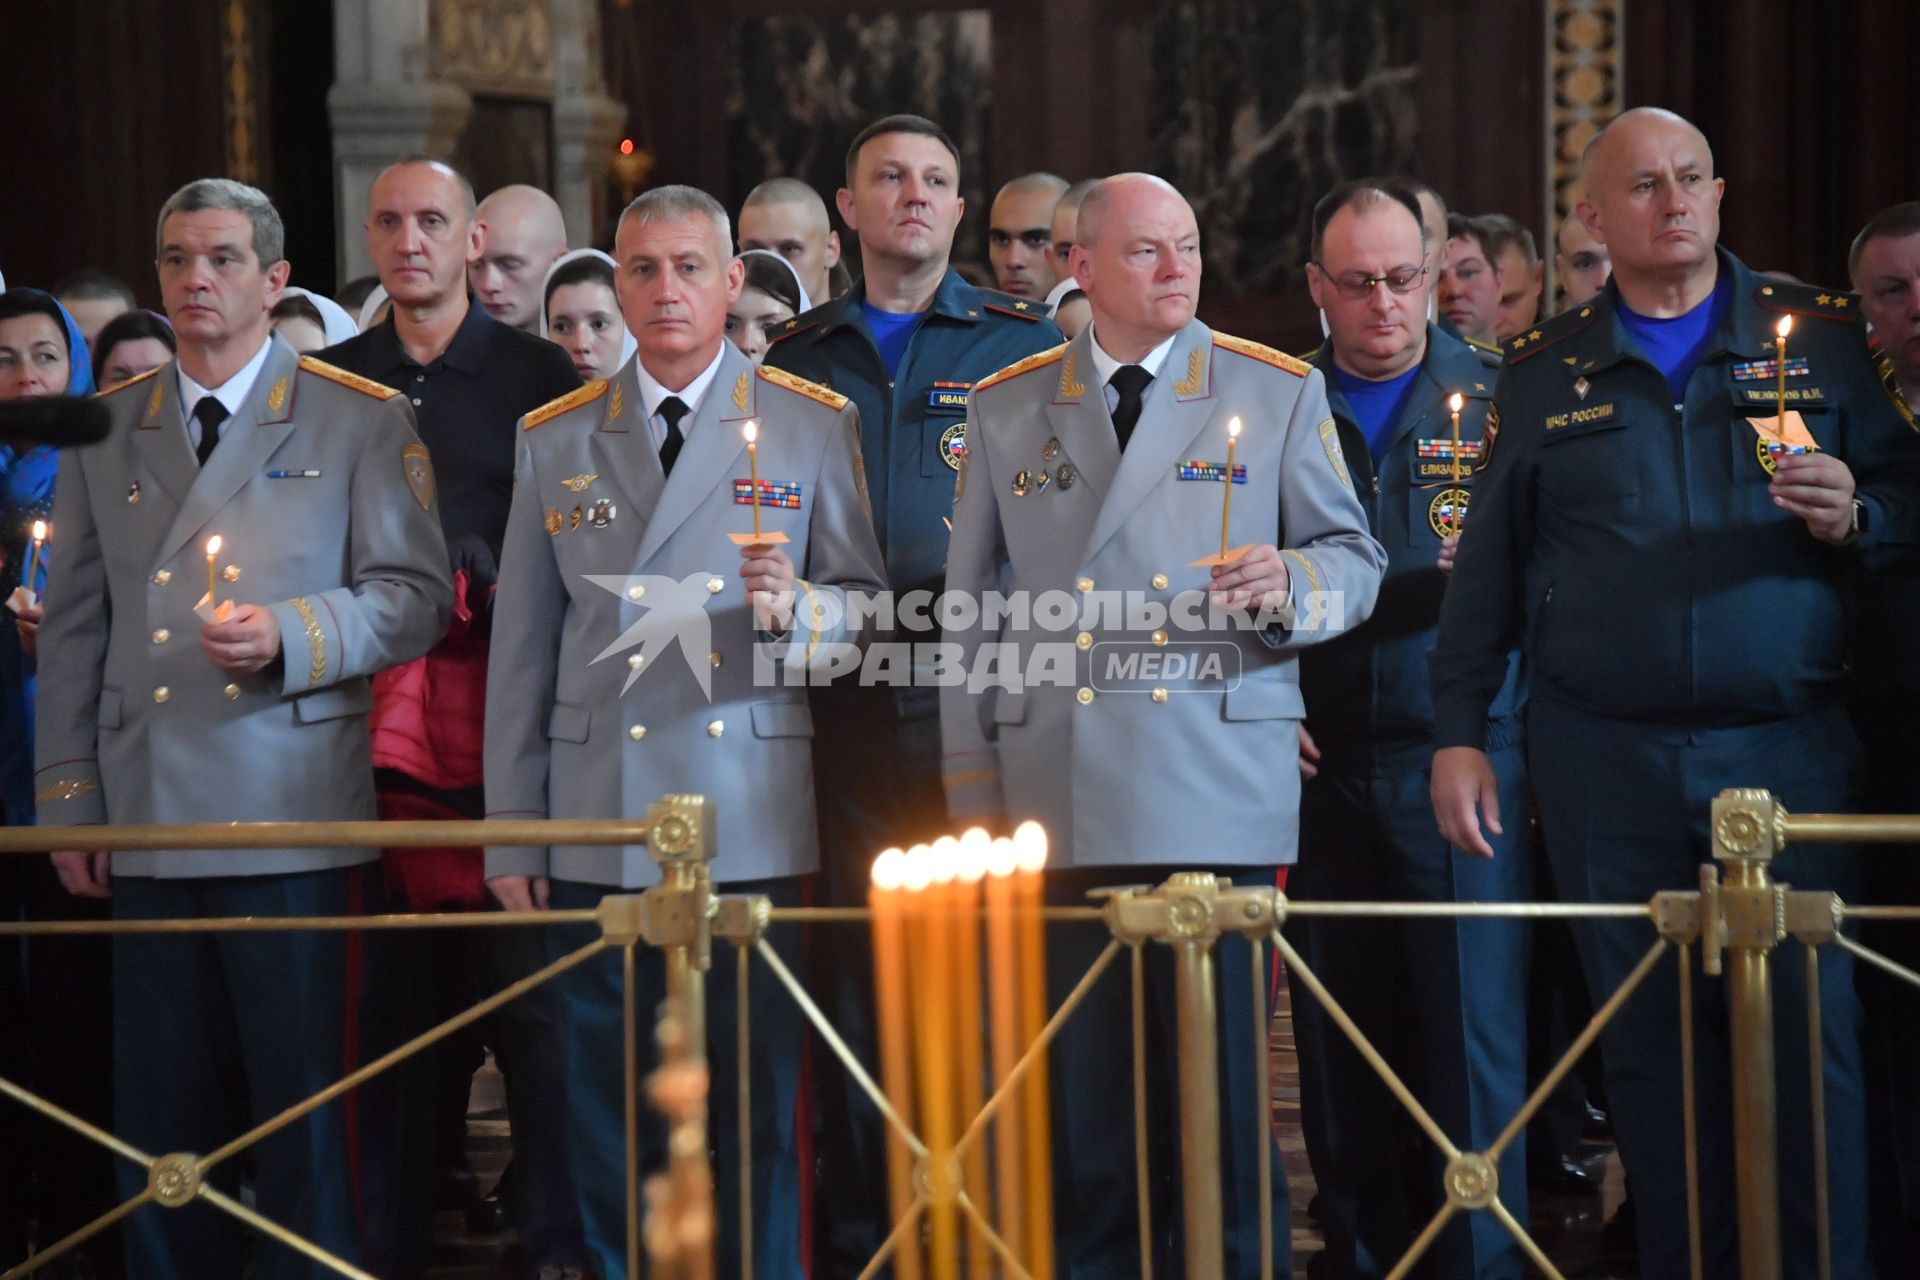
(26, 495)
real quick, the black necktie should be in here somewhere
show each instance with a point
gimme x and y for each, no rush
(673, 408)
(1130, 380)
(211, 413)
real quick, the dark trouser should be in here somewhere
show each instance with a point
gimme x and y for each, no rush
(1625, 810)
(1090, 1070)
(878, 787)
(592, 1021)
(1444, 999)
(216, 1032)
(411, 980)
(1557, 1011)
(57, 1013)
(1892, 1006)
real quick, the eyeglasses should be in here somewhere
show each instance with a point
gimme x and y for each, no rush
(1358, 285)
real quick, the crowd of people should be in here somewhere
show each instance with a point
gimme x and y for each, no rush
(455, 518)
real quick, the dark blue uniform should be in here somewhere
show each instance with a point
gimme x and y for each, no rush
(1444, 999)
(877, 751)
(1682, 634)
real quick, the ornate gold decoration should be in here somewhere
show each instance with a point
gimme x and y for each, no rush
(1585, 89)
(1196, 368)
(277, 398)
(316, 642)
(740, 392)
(492, 45)
(174, 1180)
(1071, 388)
(67, 790)
(577, 483)
(242, 115)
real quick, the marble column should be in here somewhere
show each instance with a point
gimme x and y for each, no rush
(586, 122)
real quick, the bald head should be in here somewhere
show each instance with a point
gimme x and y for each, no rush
(1019, 232)
(1066, 226)
(1138, 260)
(788, 217)
(521, 233)
(1652, 199)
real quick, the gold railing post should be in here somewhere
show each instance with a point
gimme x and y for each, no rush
(1189, 913)
(1747, 833)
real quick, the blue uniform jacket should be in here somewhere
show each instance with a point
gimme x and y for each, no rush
(1369, 703)
(1631, 545)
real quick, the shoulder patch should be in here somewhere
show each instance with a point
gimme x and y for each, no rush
(128, 382)
(572, 400)
(799, 324)
(1266, 355)
(1038, 360)
(1890, 383)
(1008, 305)
(1548, 332)
(333, 373)
(1807, 300)
(800, 386)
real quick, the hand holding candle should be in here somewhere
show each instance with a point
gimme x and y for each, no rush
(757, 537)
(1781, 331)
(213, 549)
(26, 595)
(1226, 556)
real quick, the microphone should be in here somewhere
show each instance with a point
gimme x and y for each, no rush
(61, 421)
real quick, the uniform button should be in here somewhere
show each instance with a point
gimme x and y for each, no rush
(162, 636)
(1159, 695)
(714, 659)
(636, 593)
(715, 586)
(416, 400)
(1160, 639)
(633, 661)
(163, 577)
(419, 377)
(1085, 585)
(231, 573)
(162, 694)
(232, 691)
(1159, 582)
(716, 728)
(1085, 696)
(637, 732)
(1084, 640)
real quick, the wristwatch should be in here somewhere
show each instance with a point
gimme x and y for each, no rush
(1859, 525)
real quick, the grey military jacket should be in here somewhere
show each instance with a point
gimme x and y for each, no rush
(625, 663)
(1145, 729)
(323, 498)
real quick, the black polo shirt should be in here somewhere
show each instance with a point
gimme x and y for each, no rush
(465, 405)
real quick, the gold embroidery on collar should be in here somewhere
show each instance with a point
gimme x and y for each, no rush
(1071, 388)
(1190, 385)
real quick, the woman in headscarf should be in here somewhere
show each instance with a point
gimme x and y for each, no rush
(581, 313)
(327, 322)
(56, 1007)
(771, 296)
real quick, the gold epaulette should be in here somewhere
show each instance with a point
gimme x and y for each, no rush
(1807, 299)
(572, 400)
(127, 382)
(800, 386)
(1266, 355)
(1547, 332)
(333, 373)
(1038, 360)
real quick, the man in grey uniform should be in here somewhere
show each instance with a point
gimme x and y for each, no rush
(1095, 468)
(638, 652)
(323, 499)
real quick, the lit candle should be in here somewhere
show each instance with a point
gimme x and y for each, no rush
(1781, 331)
(213, 549)
(970, 867)
(937, 1076)
(1030, 857)
(1003, 1008)
(885, 897)
(753, 470)
(33, 560)
(1455, 403)
(1226, 503)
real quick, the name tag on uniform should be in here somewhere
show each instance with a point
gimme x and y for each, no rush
(1580, 417)
(1758, 394)
(1434, 459)
(950, 397)
(1213, 472)
(773, 493)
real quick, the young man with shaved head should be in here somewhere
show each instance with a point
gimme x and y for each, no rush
(1095, 467)
(1019, 231)
(788, 217)
(521, 233)
(1677, 566)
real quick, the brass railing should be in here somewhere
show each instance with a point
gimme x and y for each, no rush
(1737, 917)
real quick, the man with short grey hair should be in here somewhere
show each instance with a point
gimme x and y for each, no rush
(157, 707)
(617, 551)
